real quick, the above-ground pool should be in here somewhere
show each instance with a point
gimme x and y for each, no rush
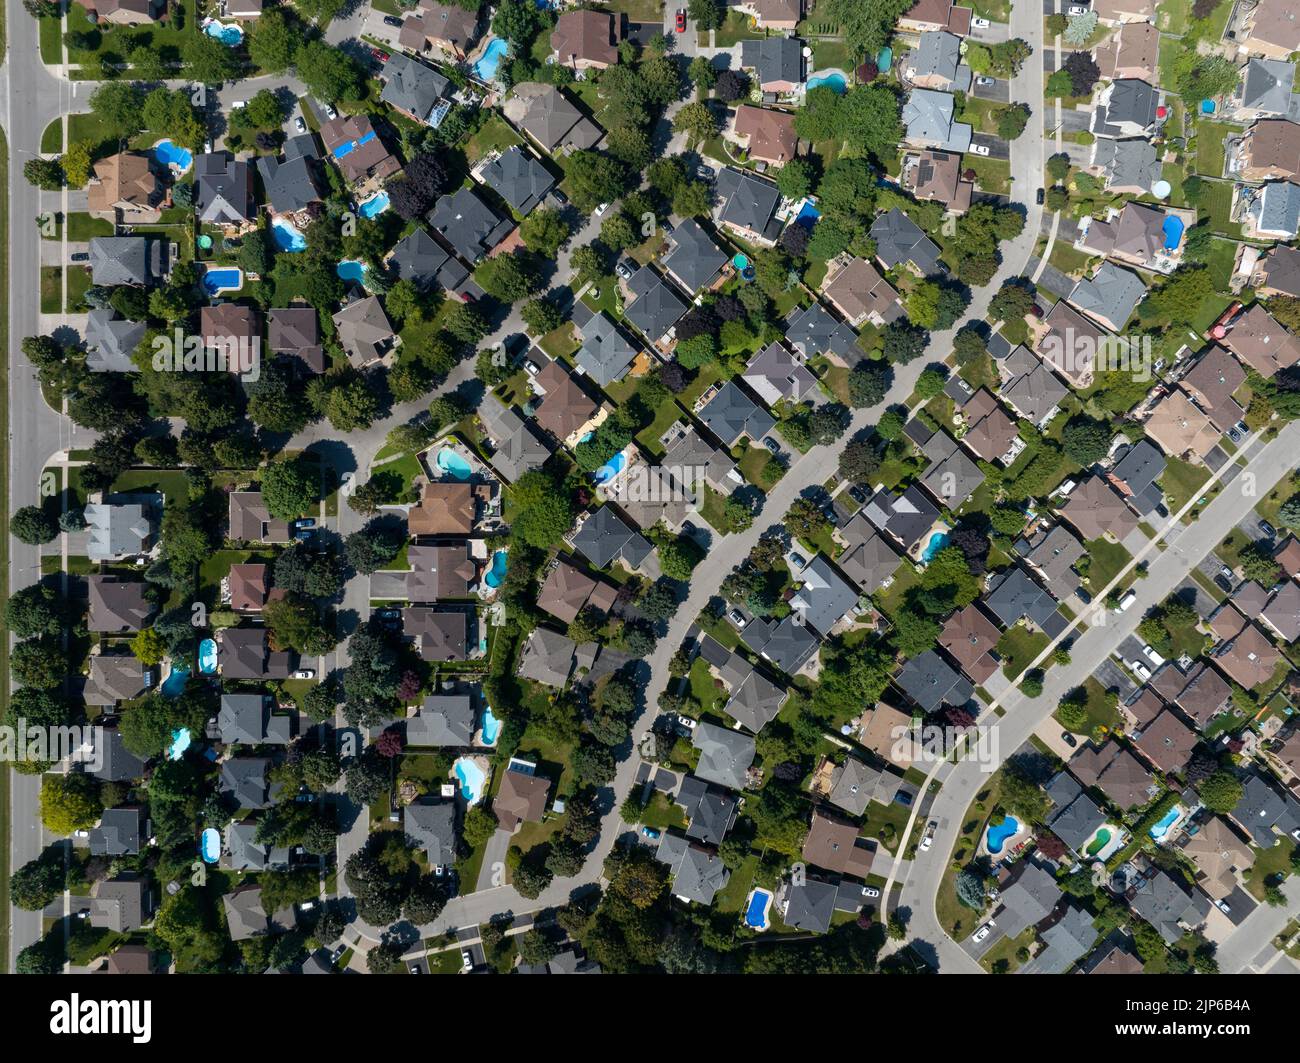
(1207, 107)
(740, 261)
(473, 780)
(169, 154)
(936, 542)
(756, 909)
(491, 727)
(610, 469)
(216, 281)
(485, 68)
(204, 241)
(351, 270)
(497, 573)
(230, 35)
(207, 656)
(453, 464)
(376, 204)
(181, 740)
(998, 834)
(1166, 821)
(1173, 227)
(829, 79)
(210, 845)
(176, 680)
(287, 236)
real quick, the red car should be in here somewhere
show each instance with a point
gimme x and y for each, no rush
(681, 20)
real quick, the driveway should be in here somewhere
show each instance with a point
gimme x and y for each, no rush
(492, 871)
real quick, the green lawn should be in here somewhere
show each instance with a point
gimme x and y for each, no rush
(1223, 254)
(1100, 706)
(1209, 147)
(1269, 863)
(1216, 202)
(1107, 561)
(1172, 16)
(1182, 481)
(991, 175)
(51, 289)
(83, 226)
(1017, 647)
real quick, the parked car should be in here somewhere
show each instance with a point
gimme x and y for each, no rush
(80, 256)
(393, 20)
(1234, 435)
(416, 969)
(983, 79)
(299, 124)
(531, 367)
(337, 954)
(1039, 196)
(601, 209)
(380, 54)
(1127, 601)
(466, 960)
(1069, 739)
(1225, 572)
(1222, 905)
(980, 149)
(980, 23)
(870, 891)
(983, 931)
(772, 444)
(650, 833)
(738, 618)
(928, 840)
(330, 113)
(389, 613)
(1076, 9)
(687, 722)
(623, 270)
(1268, 529)
(304, 522)
(305, 673)
(1149, 652)
(1140, 670)
(681, 20)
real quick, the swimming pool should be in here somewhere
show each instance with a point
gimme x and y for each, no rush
(181, 740)
(808, 215)
(485, 69)
(740, 261)
(287, 236)
(1166, 821)
(998, 834)
(351, 270)
(497, 573)
(473, 780)
(1207, 107)
(756, 909)
(829, 79)
(1100, 840)
(210, 845)
(491, 727)
(453, 464)
(885, 59)
(1173, 227)
(216, 281)
(376, 204)
(936, 543)
(207, 656)
(169, 154)
(231, 36)
(610, 469)
(176, 680)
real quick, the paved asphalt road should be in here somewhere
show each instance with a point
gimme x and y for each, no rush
(1092, 645)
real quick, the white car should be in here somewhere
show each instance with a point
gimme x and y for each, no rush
(1078, 10)
(870, 891)
(980, 23)
(305, 673)
(1222, 905)
(601, 209)
(1127, 601)
(980, 149)
(299, 124)
(1149, 652)
(238, 104)
(1140, 670)
(983, 80)
(330, 113)
(466, 960)
(983, 931)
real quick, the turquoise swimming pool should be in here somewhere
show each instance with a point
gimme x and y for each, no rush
(210, 845)
(496, 574)
(376, 204)
(610, 469)
(181, 740)
(287, 236)
(1160, 829)
(936, 542)
(473, 779)
(216, 281)
(176, 680)
(998, 833)
(453, 464)
(485, 69)
(756, 917)
(169, 154)
(352, 271)
(491, 727)
(207, 656)
(229, 35)
(831, 79)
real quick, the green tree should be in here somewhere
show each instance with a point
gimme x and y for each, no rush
(291, 487)
(1221, 792)
(70, 803)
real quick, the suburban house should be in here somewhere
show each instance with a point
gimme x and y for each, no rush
(1221, 857)
(905, 517)
(412, 88)
(1271, 211)
(450, 28)
(813, 331)
(857, 290)
(777, 63)
(1265, 90)
(832, 844)
(116, 677)
(1109, 296)
(517, 177)
(546, 115)
(249, 521)
(937, 175)
(444, 720)
(522, 795)
(767, 135)
(697, 871)
(929, 16)
(566, 411)
(1180, 429)
(930, 681)
(754, 699)
(781, 15)
(246, 654)
(117, 606)
(930, 121)
(419, 258)
(776, 374)
(469, 226)
(694, 258)
(294, 332)
(1096, 509)
(1268, 28)
(291, 181)
(731, 413)
(118, 530)
(247, 719)
(567, 591)
(365, 333)
(936, 63)
(1126, 108)
(353, 144)
(141, 261)
(604, 537)
(1131, 53)
(587, 40)
(653, 306)
(869, 559)
(725, 755)
(1167, 742)
(971, 639)
(901, 242)
(1268, 151)
(438, 634)
(124, 12)
(1257, 339)
(1168, 905)
(990, 434)
(110, 341)
(124, 188)
(1030, 388)
(247, 586)
(431, 825)
(223, 190)
(517, 447)
(1130, 166)
(1070, 344)
(1278, 272)
(747, 203)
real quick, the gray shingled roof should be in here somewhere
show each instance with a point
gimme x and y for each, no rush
(695, 258)
(411, 86)
(223, 189)
(655, 306)
(748, 201)
(469, 225)
(725, 756)
(443, 720)
(518, 178)
(606, 352)
(810, 903)
(432, 826)
(731, 413)
(605, 537)
(774, 59)
(419, 258)
(899, 241)
(109, 341)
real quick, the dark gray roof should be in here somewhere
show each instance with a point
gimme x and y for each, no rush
(117, 763)
(303, 146)
(939, 53)
(1278, 207)
(223, 189)
(547, 657)
(1266, 85)
(443, 720)
(695, 258)
(1111, 294)
(1068, 941)
(1131, 102)
(655, 306)
(605, 353)
(731, 413)
(470, 227)
(904, 517)
(698, 873)
(110, 340)
(136, 260)
(606, 537)
(929, 681)
(1028, 900)
(813, 331)
(432, 826)
(824, 596)
(899, 240)
(119, 832)
(520, 448)
(1078, 822)
(786, 643)
(1165, 903)
(419, 258)
(411, 86)
(748, 201)
(725, 756)
(1262, 810)
(246, 853)
(810, 903)
(247, 719)
(952, 475)
(870, 562)
(518, 178)
(115, 677)
(245, 778)
(246, 654)
(290, 184)
(774, 59)
(1140, 467)
(852, 784)
(117, 606)
(709, 811)
(1015, 594)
